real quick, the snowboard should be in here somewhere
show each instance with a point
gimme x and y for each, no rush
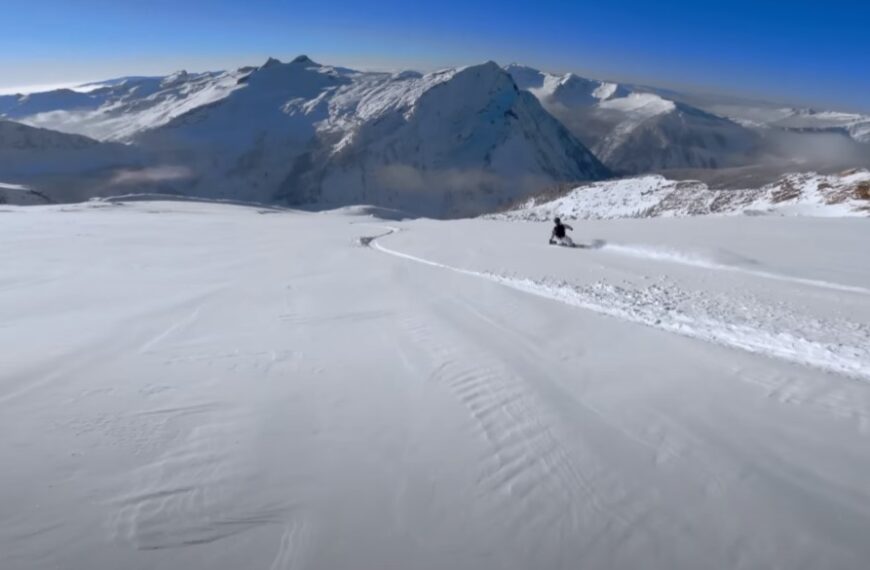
(570, 246)
(595, 244)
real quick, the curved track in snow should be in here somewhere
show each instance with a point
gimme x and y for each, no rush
(696, 260)
(657, 307)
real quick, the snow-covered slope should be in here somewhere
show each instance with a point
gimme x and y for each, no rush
(766, 115)
(450, 143)
(211, 387)
(857, 126)
(846, 194)
(568, 89)
(640, 129)
(20, 195)
(634, 130)
(25, 105)
(31, 152)
(117, 110)
(62, 166)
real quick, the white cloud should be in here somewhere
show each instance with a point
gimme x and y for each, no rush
(153, 174)
(25, 89)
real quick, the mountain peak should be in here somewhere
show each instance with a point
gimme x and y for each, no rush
(298, 60)
(524, 76)
(574, 80)
(176, 77)
(489, 68)
(515, 66)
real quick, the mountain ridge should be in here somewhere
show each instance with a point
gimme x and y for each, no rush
(453, 142)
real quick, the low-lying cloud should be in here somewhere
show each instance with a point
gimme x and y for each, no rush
(452, 192)
(151, 175)
(819, 149)
(405, 178)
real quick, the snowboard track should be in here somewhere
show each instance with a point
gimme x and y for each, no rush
(653, 308)
(698, 260)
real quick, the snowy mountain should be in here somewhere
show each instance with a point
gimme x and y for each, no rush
(634, 130)
(20, 195)
(27, 151)
(814, 139)
(62, 166)
(118, 109)
(768, 115)
(846, 194)
(809, 120)
(451, 143)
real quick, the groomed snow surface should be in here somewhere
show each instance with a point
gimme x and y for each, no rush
(199, 385)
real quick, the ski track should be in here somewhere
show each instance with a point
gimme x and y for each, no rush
(289, 555)
(173, 328)
(656, 307)
(678, 257)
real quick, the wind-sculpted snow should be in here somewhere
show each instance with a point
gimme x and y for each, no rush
(811, 194)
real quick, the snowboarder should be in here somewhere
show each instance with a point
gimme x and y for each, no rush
(559, 237)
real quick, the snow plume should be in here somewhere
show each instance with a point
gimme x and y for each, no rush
(152, 174)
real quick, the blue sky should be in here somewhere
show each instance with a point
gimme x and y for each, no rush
(804, 52)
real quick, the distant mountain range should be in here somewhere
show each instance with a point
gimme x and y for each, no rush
(456, 142)
(637, 129)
